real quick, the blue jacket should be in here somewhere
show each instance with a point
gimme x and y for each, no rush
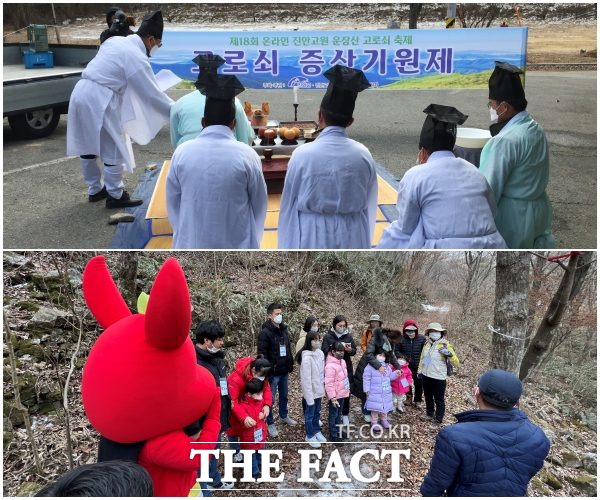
(487, 453)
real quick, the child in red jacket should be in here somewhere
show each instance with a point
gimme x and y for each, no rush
(402, 384)
(249, 422)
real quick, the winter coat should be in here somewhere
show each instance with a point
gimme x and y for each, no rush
(365, 338)
(337, 384)
(379, 388)
(410, 348)
(167, 460)
(300, 342)
(397, 386)
(433, 363)
(250, 407)
(236, 381)
(379, 339)
(330, 338)
(312, 376)
(214, 362)
(487, 453)
(270, 341)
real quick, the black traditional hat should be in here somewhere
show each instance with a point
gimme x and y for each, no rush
(208, 65)
(152, 24)
(500, 388)
(220, 92)
(110, 13)
(439, 130)
(344, 85)
(505, 84)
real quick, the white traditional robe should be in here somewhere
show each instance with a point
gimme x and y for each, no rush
(216, 192)
(329, 197)
(116, 98)
(444, 203)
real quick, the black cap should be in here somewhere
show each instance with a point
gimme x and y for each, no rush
(500, 388)
(208, 65)
(152, 24)
(344, 85)
(505, 84)
(111, 12)
(220, 92)
(439, 130)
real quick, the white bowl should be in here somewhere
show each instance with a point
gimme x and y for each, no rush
(474, 138)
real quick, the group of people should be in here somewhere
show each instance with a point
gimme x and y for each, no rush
(216, 191)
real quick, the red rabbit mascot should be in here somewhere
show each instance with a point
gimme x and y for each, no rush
(141, 385)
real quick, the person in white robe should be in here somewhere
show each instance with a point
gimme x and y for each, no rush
(116, 99)
(444, 201)
(216, 192)
(329, 198)
(187, 112)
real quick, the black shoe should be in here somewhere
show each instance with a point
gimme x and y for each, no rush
(100, 195)
(124, 201)
(336, 439)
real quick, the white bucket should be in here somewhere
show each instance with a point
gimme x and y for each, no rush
(473, 138)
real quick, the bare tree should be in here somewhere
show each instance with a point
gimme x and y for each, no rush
(127, 277)
(510, 310)
(413, 15)
(479, 266)
(570, 285)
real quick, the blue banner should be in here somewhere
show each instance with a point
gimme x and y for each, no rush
(449, 58)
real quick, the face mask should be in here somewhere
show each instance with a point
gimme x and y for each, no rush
(278, 319)
(411, 334)
(314, 329)
(315, 344)
(340, 330)
(493, 115)
(338, 355)
(258, 396)
(153, 51)
(402, 362)
(381, 358)
(213, 349)
(435, 336)
(259, 378)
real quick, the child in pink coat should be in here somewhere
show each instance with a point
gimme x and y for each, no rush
(401, 385)
(337, 388)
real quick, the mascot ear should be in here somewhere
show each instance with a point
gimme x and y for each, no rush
(169, 311)
(101, 294)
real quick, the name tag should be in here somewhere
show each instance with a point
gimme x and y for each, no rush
(386, 386)
(404, 382)
(282, 351)
(224, 389)
(346, 383)
(258, 436)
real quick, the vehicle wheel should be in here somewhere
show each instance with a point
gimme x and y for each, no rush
(34, 124)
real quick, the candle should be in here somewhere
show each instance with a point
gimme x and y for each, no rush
(295, 95)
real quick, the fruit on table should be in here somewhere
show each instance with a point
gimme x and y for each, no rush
(290, 134)
(296, 131)
(270, 134)
(281, 132)
(261, 132)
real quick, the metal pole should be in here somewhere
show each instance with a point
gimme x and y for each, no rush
(450, 15)
(55, 24)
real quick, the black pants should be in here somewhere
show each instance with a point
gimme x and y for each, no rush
(345, 406)
(418, 396)
(435, 392)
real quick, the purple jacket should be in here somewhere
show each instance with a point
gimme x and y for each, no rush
(379, 388)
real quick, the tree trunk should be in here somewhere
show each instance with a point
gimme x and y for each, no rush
(510, 310)
(569, 286)
(127, 277)
(413, 16)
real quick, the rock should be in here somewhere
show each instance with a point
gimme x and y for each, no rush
(25, 347)
(571, 460)
(27, 305)
(10, 411)
(28, 489)
(7, 437)
(16, 260)
(590, 462)
(536, 485)
(585, 483)
(47, 318)
(551, 480)
(8, 426)
(469, 399)
(120, 217)
(555, 460)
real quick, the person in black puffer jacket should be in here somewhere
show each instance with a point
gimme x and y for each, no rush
(411, 346)
(274, 345)
(382, 338)
(339, 333)
(209, 354)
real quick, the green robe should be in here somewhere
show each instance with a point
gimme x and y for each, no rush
(516, 165)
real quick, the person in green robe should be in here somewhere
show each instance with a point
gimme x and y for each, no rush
(516, 164)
